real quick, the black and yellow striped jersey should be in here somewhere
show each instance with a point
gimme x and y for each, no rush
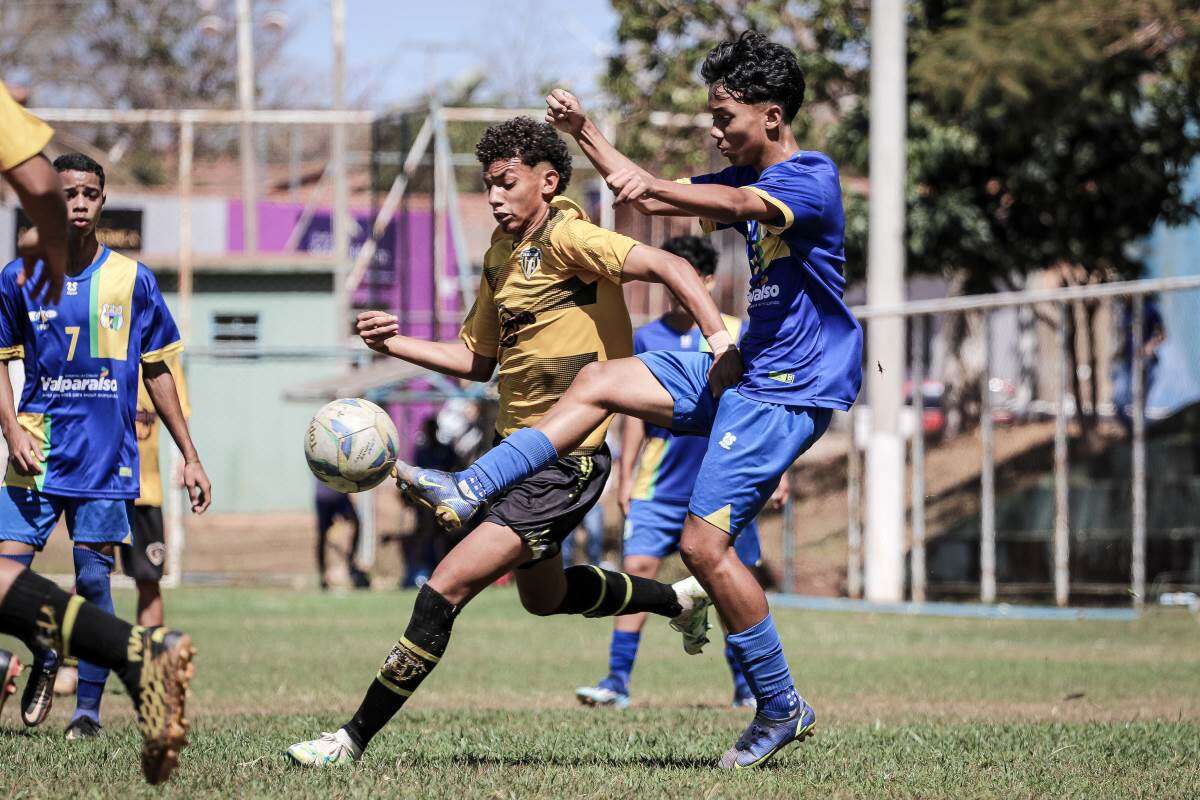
(547, 306)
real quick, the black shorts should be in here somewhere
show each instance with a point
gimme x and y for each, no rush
(328, 512)
(548, 505)
(143, 558)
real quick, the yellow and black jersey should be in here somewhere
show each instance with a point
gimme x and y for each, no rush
(22, 135)
(548, 305)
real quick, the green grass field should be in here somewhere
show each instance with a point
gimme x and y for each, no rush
(907, 708)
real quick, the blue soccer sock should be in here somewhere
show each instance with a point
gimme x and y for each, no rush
(621, 655)
(518, 456)
(92, 571)
(740, 685)
(760, 653)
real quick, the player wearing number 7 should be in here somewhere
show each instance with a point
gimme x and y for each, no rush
(802, 350)
(72, 448)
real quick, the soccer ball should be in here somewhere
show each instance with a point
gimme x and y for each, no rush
(351, 445)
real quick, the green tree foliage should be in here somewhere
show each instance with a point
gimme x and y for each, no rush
(1041, 131)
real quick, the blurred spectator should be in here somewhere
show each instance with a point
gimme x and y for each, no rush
(332, 505)
(1153, 335)
(427, 544)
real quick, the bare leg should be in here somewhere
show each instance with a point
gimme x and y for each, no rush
(624, 386)
(489, 552)
(708, 552)
(149, 604)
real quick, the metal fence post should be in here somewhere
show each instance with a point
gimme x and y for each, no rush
(987, 476)
(1138, 490)
(1062, 530)
(917, 553)
(854, 564)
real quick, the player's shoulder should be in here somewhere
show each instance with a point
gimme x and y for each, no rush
(11, 270)
(807, 164)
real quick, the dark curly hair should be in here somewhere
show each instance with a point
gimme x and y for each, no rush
(532, 142)
(78, 162)
(695, 250)
(754, 69)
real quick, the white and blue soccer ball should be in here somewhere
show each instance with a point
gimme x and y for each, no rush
(351, 445)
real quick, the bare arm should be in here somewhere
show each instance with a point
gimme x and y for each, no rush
(378, 330)
(40, 191)
(647, 193)
(632, 435)
(23, 453)
(160, 385)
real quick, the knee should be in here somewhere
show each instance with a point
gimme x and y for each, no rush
(591, 383)
(701, 555)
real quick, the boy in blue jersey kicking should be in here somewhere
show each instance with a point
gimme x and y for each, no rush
(72, 447)
(802, 351)
(656, 503)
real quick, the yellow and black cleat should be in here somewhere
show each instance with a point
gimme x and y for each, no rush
(160, 695)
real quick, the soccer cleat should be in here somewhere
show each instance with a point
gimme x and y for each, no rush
(67, 680)
(159, 692)
(453, 504)
(602, 696)
(83, 728)
(38, 696)
(10, 668)
(765, 737)
(693, 622)
(330, 750)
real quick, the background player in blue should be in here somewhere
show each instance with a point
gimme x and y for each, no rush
(802, 351)
(72, 448)
(656, 503)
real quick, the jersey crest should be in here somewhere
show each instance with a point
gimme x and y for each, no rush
(530, 259)
(112, 316)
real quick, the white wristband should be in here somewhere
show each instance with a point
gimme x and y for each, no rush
(720, 341)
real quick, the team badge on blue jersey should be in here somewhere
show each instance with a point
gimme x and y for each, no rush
(111, 316)
(530, 259)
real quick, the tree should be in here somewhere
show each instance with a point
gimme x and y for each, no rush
(1042, 134)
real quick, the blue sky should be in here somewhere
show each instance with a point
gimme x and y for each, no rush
(393, 48)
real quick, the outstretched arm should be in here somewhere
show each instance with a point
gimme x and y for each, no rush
(379, 330)
(647, 193)
(160, 385)
(41, 195)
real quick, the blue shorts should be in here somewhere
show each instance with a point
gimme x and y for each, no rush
(653, 528)
(750, 443)
(28, 516)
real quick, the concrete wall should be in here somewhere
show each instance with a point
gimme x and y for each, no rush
(249, 438)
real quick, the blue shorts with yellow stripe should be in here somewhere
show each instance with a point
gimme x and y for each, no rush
(750, 443)
(653, 528)
(28, 516)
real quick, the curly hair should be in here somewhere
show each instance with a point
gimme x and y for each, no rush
(754, 69)
(78, 162)
(695, 250)
(530, 141)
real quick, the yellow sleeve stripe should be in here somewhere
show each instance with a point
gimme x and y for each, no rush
(788, 217)
(10, 353)
(162, 353)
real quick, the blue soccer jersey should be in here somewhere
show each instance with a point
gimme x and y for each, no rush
(81, 358)
(669, 462)
(801, 346)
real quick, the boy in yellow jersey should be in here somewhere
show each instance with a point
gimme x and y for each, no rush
(549, 304)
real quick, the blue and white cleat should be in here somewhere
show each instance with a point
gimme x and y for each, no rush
(693, 622)
(335, 749)
(602, 696)
(452, 503)
(765, 737)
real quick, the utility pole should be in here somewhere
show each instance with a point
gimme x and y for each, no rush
(245, 55)
(884, 550)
